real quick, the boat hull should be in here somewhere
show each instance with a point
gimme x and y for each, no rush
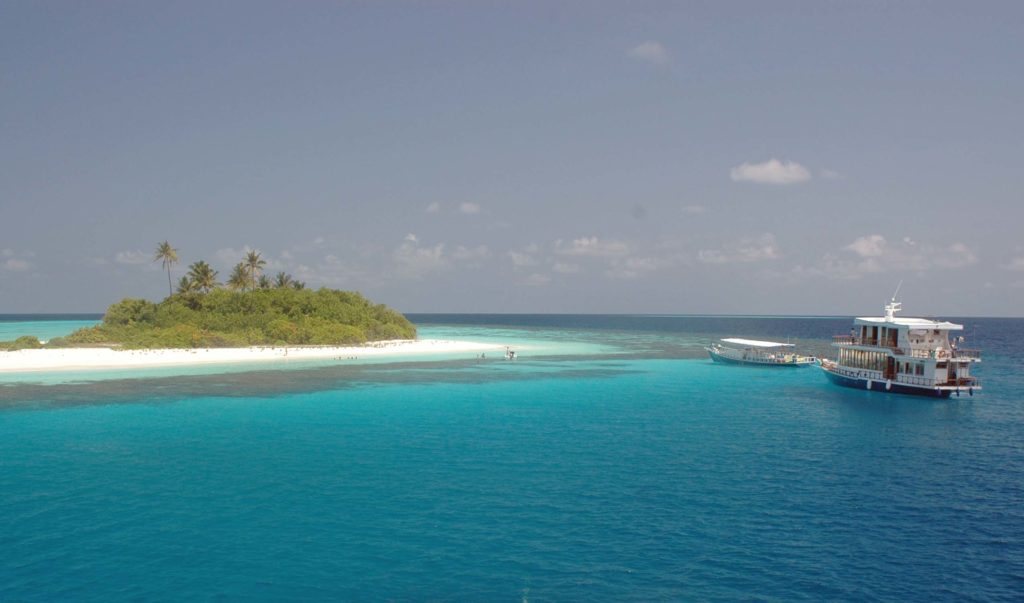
(753, 362)
(890, 388)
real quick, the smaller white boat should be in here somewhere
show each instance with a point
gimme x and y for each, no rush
(734, 350)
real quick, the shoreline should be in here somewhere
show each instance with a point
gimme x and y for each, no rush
(72, 359)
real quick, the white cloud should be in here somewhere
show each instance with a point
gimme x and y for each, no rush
(16, 265)
(469, 208)
(525, 257)
(133, 258)
(433, 208)
(342, 269)
(830, 174)
(1016, 264)
(416, 261)
(537, 279)
(228, 256)
(693, 210)
(471, 254)
(757, 249)
(591, 247)
(15, 261)
(634, 267)
(870, 246)
(411, 238)
(874, 254)
(564, 268)
(772, 171)
(520, 259)
(650, 51)
(956, 255)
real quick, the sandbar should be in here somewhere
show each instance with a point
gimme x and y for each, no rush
(70, 359)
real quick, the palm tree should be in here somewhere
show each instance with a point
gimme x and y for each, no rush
(185, 285)
(298, 285)
(204, 278)
(254, 264)
(169, 256)
(239, 278)
(264, 282)
(283, 280)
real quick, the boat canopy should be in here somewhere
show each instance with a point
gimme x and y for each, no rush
(913, 323)
(757, 344)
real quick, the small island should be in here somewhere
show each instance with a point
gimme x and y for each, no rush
(249, 318)
(251, 310)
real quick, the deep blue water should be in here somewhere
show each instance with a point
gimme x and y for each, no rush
(644, 474)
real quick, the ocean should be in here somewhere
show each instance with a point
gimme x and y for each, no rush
(611, 461)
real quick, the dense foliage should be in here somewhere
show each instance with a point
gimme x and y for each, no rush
(222, 318)
(25, 342)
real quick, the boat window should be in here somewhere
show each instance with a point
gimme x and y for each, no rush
(940, 365)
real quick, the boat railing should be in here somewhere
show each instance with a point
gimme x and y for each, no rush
(963, 382)
(928, 382)
(914, 380)
(854, 340)
(945, 353)
(851, 340)
(857, 372)
(966, 353)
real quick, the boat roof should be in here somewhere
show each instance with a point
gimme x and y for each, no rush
(754, 343)
(913, 323)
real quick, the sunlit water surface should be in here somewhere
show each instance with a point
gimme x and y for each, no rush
(612, 461)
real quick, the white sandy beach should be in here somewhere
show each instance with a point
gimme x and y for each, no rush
(105, 358)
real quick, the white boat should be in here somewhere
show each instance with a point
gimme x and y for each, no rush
(734, 350)
(903, 355)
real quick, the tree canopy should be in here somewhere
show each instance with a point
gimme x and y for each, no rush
(167, 256)
(222, 318)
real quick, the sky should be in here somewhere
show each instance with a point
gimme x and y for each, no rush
(565, 157)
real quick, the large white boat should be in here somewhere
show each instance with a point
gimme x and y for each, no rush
(903, 355)
(734, 350)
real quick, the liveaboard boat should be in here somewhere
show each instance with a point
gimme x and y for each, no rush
(735, 350)
(903, 355)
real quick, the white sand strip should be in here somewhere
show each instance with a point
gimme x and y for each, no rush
(70, 359)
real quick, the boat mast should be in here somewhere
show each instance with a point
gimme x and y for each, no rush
(893, 306)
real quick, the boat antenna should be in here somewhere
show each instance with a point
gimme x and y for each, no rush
(893, 306)
(897, 292)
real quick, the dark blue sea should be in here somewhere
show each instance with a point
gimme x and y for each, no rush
(612, 461)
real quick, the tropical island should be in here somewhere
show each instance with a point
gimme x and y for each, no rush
(250, 309)
(250, 317)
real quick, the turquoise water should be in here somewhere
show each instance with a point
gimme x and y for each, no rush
(43, 329)
(620, 466)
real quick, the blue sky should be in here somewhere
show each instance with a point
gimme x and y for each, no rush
(662, 157)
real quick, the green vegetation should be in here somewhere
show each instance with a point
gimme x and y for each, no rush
(168, 256)
(254, 264)
(25, 342)
(201, 277)
(222, 318)
(253, 310)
